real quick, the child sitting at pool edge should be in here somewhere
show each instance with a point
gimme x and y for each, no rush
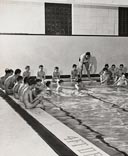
(28, 99)
(122, 81)
(74, 73)
(59, 88)
(56, 74)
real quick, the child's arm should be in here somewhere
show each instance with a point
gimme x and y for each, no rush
(24, 74)
(8, 91)
(53, 76)
(71, 76)
(38, 74)
(77, 87)
(104, 80)
(44, 76)
(116, 81)
(29, 74)
(126, 83)
(34, 102)
(101, 79)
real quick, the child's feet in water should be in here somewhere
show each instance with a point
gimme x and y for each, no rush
(40, 106)
(90, 81)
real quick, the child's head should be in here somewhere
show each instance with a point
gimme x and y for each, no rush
(48, 83)
(74, 66)
(41, 67)
(113, 66)
(106, 66)
(60, 82)
(19, 79)
(38, 81)
(121, 66)
(27, 68)
(8, 72)
(11, 71)
(31, 82)
(105, 70)
(56, 69)
(17, 72)
(78, 84)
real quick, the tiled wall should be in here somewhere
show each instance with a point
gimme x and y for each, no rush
(94, 20)
(103, 2)
(28, 17)
(17, 51)
(92, 2)
(22, 18)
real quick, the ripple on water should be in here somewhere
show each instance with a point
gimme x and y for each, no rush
(116, 122)
(124, 146)
(72, 121)
(59, 114)
(63, 118)
(111, 122)
(53, 110)
(112, 140)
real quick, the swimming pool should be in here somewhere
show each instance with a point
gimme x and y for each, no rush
(100, 116)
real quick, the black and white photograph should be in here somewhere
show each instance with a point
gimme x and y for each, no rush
(63, 77)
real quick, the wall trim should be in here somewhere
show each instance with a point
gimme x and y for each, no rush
(31, 34)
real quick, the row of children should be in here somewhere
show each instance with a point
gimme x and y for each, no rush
(56, 73)
(114, 76)
(31, 90)
(41, 73)
(27, 89)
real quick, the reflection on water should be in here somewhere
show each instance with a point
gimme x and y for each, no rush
(111, 122)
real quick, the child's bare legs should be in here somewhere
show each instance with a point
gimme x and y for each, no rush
(41, 105)
(39, 102)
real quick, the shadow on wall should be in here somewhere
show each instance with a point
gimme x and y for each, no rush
(94, 65)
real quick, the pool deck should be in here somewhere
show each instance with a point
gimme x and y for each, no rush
(35, 132)
(17, 138)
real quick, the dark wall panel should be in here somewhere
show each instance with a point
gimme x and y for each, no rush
(123, 21)
(58, 19)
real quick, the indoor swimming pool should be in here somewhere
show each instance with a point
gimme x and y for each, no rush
(100, 116)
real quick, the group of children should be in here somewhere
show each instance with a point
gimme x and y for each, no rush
(108, 76)
(75, 73)
(114, 76)
(41, 73)
(32, 90)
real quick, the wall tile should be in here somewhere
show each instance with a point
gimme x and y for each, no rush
(96, 20)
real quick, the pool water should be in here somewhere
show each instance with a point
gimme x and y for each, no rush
(103, 112)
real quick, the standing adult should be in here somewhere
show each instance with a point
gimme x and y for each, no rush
(85, 61)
